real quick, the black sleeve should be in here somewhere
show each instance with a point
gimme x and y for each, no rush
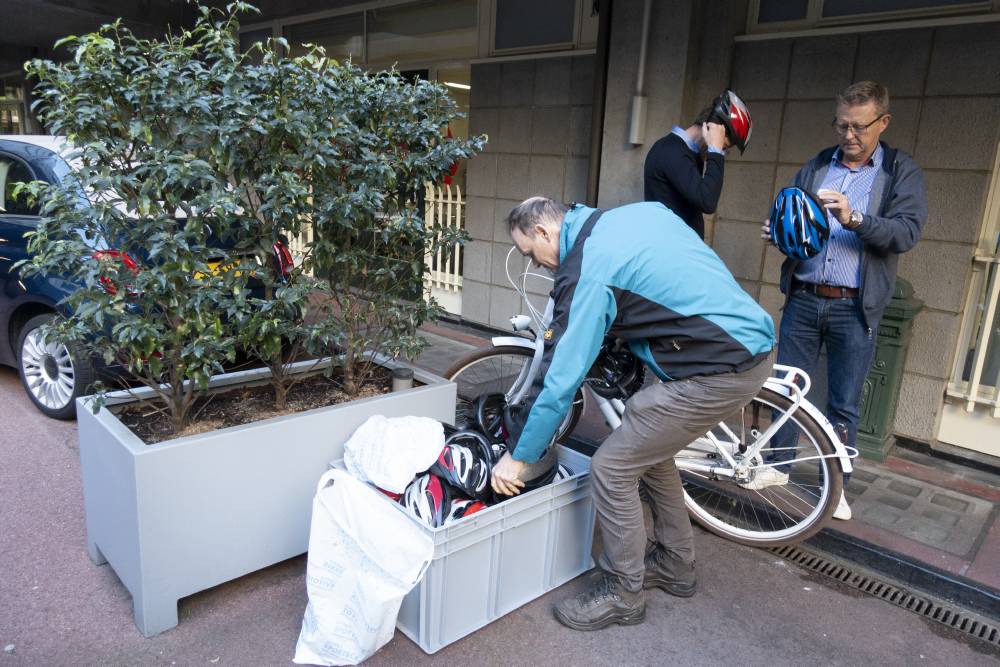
(669, 162)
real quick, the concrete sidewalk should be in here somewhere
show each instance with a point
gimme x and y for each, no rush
(58, 608)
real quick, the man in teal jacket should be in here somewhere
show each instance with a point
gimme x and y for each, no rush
(641, 274)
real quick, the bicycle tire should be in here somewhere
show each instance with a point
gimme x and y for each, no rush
(477, 357)
(729, 510)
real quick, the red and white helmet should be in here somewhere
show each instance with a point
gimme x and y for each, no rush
(462, 508)
(734, 114)
(428, 498)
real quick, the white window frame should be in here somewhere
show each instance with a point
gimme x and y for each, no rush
(981, 305)
(584, 32)
(814, 16)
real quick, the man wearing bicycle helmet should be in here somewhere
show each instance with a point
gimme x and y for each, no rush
(876, 208)
(707, 340)
(684, 169)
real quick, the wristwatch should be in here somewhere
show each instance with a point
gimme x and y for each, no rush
(857, 217)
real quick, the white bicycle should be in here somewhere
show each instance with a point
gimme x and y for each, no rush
(720, 470)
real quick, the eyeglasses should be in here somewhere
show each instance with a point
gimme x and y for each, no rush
(856, 128)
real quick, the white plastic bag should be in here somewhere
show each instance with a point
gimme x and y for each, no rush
(364, 557)
(389, 453)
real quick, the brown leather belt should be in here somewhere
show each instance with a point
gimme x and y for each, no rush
(827, 291)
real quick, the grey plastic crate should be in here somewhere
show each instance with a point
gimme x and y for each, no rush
(492, 562)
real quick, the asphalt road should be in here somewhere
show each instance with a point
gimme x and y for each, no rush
(57, 608)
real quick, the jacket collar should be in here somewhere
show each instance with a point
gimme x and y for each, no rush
(572, 223)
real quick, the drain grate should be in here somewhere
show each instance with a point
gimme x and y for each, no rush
(953, 617)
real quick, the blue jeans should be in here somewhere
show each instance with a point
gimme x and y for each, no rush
(808, 322)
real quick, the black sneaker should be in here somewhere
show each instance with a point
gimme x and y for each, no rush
(666, 571)
(605, 603)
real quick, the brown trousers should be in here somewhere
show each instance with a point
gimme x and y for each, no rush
(659, 421)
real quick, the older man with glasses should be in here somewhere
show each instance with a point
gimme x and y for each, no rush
(877, 205)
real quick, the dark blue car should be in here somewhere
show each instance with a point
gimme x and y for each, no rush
(55, 375)
(52, 374)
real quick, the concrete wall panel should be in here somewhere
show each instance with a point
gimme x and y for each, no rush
(515, 130)
(552, 82)
(481, 176)
(575, 188)
(740, 247)
(919, 406)
(479, 217)
(517, 83)
(504, 302)
(806, 130)
(958, 132)
(766, 133)
(550, 128)
(955, 201)
(965, 61)
(821, 66)
(486, 121)
(477, 262)
(902, 130)
(746, 191)
(760, 69)
(546, 176)
(938, 272)
(475, 300)
(512, 176)
(898, 60)
(933, 344)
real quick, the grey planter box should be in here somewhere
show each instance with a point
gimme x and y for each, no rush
(187, 514)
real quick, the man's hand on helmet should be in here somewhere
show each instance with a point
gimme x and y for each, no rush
(714, 135)
(505, 475)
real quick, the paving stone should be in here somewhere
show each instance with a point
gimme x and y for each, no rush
(905, 489)
(881, 517)
(949, 502)
(863, 476)
(925, 513)
(894, 501)
(943, 518)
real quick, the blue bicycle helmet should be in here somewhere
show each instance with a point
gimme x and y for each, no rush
(799, 227)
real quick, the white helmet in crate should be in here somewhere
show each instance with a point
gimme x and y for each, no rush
(562, 472)
(463, 507)
(429, 499)
(466, 462)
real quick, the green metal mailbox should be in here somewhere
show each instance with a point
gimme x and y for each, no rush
(881, 390)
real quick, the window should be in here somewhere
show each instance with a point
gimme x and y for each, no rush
(13, 172)
(428, 31)
(343, 36)
(533, 25)
(775, 15)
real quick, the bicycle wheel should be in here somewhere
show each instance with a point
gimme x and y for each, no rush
(499, 370)
(764, 509)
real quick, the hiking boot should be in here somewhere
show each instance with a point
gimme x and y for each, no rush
(666, 571)
(605, 603)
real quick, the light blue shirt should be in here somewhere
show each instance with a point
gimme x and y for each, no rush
(840, 262)
(679, 131)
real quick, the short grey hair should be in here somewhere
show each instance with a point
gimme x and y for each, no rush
(533, 211)
(864, 92)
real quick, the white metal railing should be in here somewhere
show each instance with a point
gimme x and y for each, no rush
(976, 376)
(444, 207)
(299, 245)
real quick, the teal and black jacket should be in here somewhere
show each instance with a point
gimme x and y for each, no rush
(640, 273)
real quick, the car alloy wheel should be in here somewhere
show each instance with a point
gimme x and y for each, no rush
(48, 371)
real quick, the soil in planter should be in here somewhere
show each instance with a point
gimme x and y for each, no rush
(243, 405)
